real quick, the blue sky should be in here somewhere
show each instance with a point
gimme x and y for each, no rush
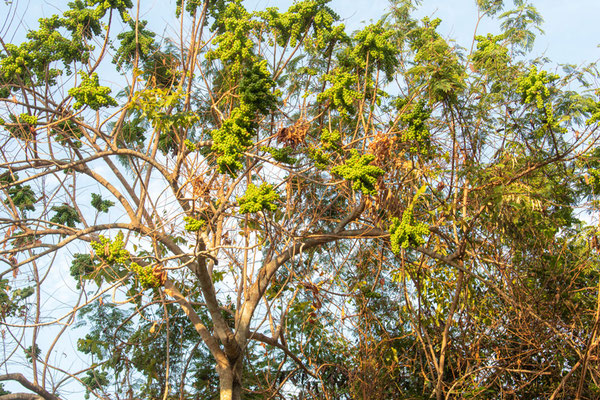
(572, 31)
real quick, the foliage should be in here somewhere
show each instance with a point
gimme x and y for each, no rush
(32, 352)
(2, 390)
(67, 133)
(94, 380)
(437, 66)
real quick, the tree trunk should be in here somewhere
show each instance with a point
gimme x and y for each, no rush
(230, 381)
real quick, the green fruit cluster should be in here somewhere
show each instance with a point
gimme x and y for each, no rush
(23, 197)
(146, 276)
(374, 48)
(84, 22)
(81, 266)
(406, 232)
(22, 126)
(119, 5)
(111, 252)
(247, 73)
(234, 43)
(58, 39)
(193, 224)
(100, 204)
(235, 134)
(289, 27)
(534, 88)
(233, 138)
(90, 93)
(137, 42)
(359, 172)
(261, 198)
(189, 145)
(256, 88)
(65, 215)
(490, 57)
(190, 6)
(416, 134)
(16, 62)
(343, 92)
(331, 140)
(28, 119)
(282, 155)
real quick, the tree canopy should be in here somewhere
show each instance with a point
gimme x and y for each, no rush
(264, 205)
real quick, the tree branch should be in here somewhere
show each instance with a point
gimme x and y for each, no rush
(34, 387)
(268, 270)
(351, 217)
(21, 396)
(206, 336)
(272, 342)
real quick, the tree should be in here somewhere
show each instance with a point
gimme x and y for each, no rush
(271, 207)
